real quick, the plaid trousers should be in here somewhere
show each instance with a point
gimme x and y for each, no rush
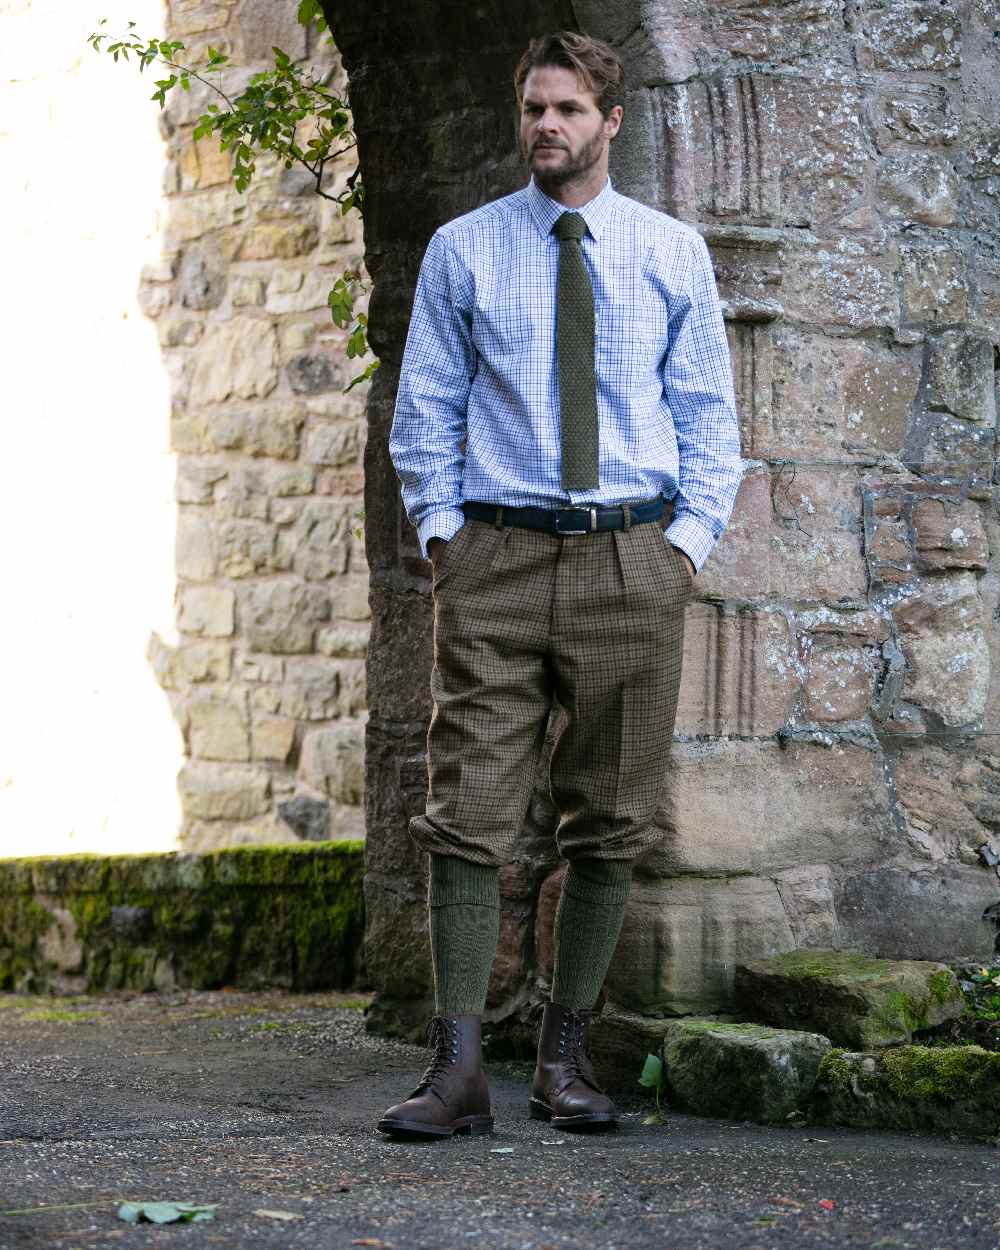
(521, 616)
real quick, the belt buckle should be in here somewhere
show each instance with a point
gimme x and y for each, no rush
(591, 528)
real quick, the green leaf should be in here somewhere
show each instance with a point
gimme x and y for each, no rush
(362, 377)
(652, 1073)
(165, 1212)
(655, 1117)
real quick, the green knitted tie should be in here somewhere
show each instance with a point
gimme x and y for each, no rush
(575, 348)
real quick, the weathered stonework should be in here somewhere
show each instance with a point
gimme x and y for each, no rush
(272, 594)
(826, 787)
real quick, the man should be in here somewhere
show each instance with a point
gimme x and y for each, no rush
(566, 374)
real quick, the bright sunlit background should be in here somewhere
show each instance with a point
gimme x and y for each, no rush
(89, 751)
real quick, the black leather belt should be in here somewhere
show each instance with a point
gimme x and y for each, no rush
(585, 519)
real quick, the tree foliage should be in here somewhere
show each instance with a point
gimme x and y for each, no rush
(286, 110)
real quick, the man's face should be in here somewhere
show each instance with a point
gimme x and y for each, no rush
(564, 136)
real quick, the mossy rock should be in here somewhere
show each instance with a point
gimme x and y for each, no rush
(740, 1070)
(287, 915)
(933, 1088)
(859, 1002)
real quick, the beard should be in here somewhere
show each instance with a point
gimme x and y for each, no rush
(576, 165)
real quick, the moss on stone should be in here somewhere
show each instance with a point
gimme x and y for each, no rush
(826, 964)
(704, 1024)
(943, 986)
(951, 1073)
(289, 915)
(834, 1070)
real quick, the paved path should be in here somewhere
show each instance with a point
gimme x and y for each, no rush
(267, 1102)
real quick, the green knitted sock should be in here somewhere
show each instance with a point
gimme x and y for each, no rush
(588, 921)
(463, 901)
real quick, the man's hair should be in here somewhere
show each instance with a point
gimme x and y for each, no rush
(594, 62)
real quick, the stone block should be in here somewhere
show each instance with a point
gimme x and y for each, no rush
(682, 937)
(944, 1089)
(841, 281)
(740, 1071)
(309, 818)
(921, 913)
(961, 376)
(353, 688)
(219, 728)
(261, 26)
(207, 610)
(509, 969)
(934, 284)
(313, 373)
(545, 919)
(333, 762)
(292, 291)
(794, 534)
(949, 534)
(176, 668)
(834, 397)
(853, 999)
(279, 241)
(805, 30)
(318, 542)
(246, 290)
(269, 430)
(807, 895)
(907, 35)
(739, 674)
(757, 807)
(201, 278)
(281, 615)
(273, 738)
(335, 444)
(915, 112)
(311, 690)
(619, 1044)
(223, 793)
(343, 640)
(247, 547)
(737, 166)
(938, 808)
(839, 682)
(237, 357)
(194, 544)
(949, 674)
(918, 186)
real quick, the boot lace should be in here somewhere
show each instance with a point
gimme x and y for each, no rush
(573, 1050)
(442, 1037)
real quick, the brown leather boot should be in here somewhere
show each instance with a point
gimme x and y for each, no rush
(565, 1090)
(453, 1096)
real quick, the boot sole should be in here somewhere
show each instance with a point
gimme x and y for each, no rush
(469, 1125)
(596, 1120)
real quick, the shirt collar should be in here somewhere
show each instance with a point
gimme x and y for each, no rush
(546, 212)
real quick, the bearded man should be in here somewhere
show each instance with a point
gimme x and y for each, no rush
(565, 436)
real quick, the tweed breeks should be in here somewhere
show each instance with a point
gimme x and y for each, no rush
(522, 618)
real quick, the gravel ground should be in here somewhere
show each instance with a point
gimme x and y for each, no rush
(265, 1105)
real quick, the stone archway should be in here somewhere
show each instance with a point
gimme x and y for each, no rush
(831, 782)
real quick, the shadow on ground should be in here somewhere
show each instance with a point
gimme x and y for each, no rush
(265, 1105)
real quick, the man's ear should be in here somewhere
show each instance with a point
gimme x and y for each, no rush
(613, 121)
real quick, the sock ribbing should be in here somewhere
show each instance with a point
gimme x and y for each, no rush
(464, 910)
(587, 926)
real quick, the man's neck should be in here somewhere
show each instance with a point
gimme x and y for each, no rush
(573, 194)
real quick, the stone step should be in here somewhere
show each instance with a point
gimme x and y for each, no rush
(859, 1002)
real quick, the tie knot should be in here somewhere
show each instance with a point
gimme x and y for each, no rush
(570, 226)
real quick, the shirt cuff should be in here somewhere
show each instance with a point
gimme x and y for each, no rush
(444, 523)
(693, 538)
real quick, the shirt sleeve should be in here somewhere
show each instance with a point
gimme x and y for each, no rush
(427, 439)
(698, 387)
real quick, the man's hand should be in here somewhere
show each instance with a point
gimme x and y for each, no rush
(434, 545)
(687, 560)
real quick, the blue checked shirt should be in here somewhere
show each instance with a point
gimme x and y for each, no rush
(477, 411)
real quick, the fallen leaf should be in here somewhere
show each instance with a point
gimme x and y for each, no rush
(165, 1212)
(369, 1241)
(502, 1150)
(826, 1204)
(788, 1202)
(824, 1140)
(654, 1117)
(278, 1215)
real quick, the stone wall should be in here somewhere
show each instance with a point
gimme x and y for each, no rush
(267, 682)
(832, 774)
